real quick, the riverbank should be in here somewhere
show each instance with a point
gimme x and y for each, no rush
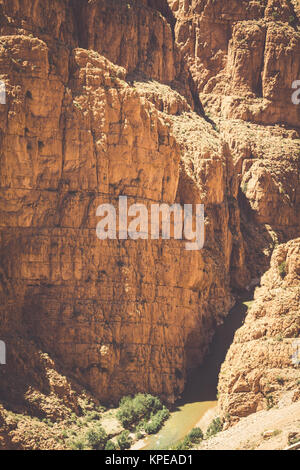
(199, 400)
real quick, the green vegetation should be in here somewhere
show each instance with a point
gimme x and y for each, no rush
(110, 445)
(275, 15)
(78, 445)
(140, 414)
(214, 428)
(196, 435)
(282, 270)
(183, 445)
(144, 412)
(270, 402)
(97, 438)
(280, 380)
(244, 187)
(157, 421)
(124, 440)
(193, 438)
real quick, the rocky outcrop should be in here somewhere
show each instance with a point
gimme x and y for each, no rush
(242, 55)
(243, 60)
(107, 99)
(136, 37)
(123, 316)
(261, 364)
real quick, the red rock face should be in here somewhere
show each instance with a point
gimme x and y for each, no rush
(243, 55)
(124, 316)
(108, 99)
(261, 364)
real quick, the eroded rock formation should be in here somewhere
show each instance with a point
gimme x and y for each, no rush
(178, 101)
(262, 362)
(124, 316)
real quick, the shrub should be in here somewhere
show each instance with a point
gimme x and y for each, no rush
(124, 440)
(92, 415)
(97, 438)
(110, 445)
(291, 20)
(77, 445)
(195, 435)
(275, 15)
(282, 270)
(244, 187)
(183, 445)
(270, 402)
(280, 380)
(157, 421)
(134, 410)
(214, 428)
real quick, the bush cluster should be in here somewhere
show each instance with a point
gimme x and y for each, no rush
(157, 420)
(124, 441)
(97, 438)
(194, 437)
(214, 428)
(143, 411)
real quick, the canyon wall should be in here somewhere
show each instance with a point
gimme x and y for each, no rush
(261, 365)
(179, 101)
(243, 57)
(121, 316)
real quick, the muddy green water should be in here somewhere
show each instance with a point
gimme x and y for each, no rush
(200, 394)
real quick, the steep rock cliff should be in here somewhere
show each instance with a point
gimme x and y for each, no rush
(243, 57)
(261, 363)
(122, 316)
(108, 99)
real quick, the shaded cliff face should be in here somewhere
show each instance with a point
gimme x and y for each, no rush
(123, 316)
(106, 99)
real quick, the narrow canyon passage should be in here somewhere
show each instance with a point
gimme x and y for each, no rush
(148, 108)
(200, 394)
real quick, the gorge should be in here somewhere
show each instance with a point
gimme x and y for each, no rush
(164, 102)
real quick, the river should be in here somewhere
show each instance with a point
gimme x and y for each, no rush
(200, 394)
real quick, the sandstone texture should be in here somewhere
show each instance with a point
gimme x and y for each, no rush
(261, 363)
(162, 101)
